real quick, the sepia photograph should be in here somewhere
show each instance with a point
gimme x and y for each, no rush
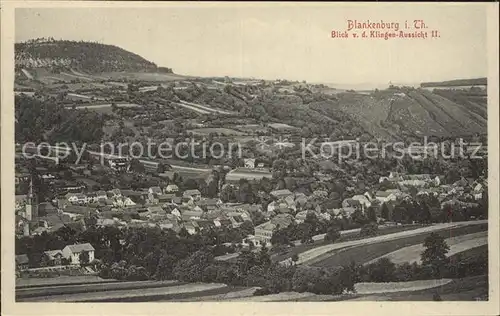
(323, 152)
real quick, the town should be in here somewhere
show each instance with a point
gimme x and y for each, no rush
(238, 206)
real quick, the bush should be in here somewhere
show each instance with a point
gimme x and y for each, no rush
(191, 269)
(262, 291)
(369, 230)
(332, 280)
(382, 271)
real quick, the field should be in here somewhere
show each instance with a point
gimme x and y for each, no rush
(139, 292)
(26, 293)
(365, 253)
(103, 107)
(251, 128)
(346, 235)
(142, 76)
(219, 131)
(457, 245)
(202, 109)
(466, 289)
(62, 280)
(391, 287)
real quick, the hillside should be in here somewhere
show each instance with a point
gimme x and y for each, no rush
(84, 56)
(88, 72)
(458, 82)
(397, 114)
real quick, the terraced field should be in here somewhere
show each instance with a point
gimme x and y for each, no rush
(362, 251)
(457, 245)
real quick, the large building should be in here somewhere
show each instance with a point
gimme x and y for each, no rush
(235, 175)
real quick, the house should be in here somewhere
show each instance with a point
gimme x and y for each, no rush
(301, 201)
(92, 197)
(53, 257)
(283, 220)
(222, 221)
(290, 201)
(191, 227)
(384, 196)
(20, 202)
(205, 224)
(74, 253)
(76, 198)
(249, 163)
(281, 194)
(155, 190)
(102, 222)
(155, 210)
(325, 216)
(189, 215)
(352, 203)
(477, 191)
(209, 204)
(176, 212)
(171, 188)
(320, 193)
(22, 262)
(195, 194)
(365, 203)
(177, 200)
(347, 211)
(236, 220)
(165, 198)
(101, 195)
(272, 206)
(114, 193)
(264, 232)
(300, 217)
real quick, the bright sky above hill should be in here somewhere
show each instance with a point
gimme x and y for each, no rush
(287, 41)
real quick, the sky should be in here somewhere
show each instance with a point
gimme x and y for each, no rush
(279, 41)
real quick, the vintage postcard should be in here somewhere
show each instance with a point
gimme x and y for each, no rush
(249, 158)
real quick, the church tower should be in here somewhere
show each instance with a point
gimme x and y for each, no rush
(31, 203)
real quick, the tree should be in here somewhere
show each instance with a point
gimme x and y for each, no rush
(332, 234)
(247, 228)
(371, 214)
(136, 166)
(384, 212)
(84, 258)
(434, 255)
(383, 270)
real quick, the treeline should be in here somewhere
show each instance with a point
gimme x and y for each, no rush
(47, 120)
(154, 254)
